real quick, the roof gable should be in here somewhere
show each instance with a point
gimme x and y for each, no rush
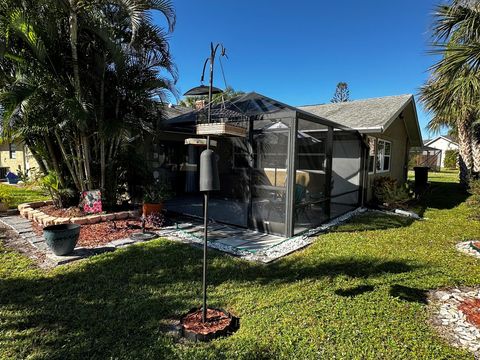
(445, 137)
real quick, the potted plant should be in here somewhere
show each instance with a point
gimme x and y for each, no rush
(154, 195)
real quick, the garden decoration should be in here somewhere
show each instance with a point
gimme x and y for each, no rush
(62, 239)
(155, 219)
(206, 323)
(91, 201)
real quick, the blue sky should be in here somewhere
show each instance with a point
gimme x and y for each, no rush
(297, 52)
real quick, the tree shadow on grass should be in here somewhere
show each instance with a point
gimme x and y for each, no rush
(374, 221)
(409, 294)
(442, 196)
(355, 291)
(114, 304)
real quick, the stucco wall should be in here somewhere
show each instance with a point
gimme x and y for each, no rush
(397, 135)
(22, 160)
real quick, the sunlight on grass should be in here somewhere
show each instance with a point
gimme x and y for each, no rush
(358, 292)
(22, 194)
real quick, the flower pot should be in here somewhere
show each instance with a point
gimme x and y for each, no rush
(149, 208)
(61, 239)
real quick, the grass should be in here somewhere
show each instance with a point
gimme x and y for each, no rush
(21, 194)
(355, 293)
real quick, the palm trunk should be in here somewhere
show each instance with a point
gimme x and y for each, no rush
(102, 128)
(465, 152)
(73, 22)
(80, 164)
(77, 168)
(53, 157)
(67, 161)
(476, 147)
(86, 157)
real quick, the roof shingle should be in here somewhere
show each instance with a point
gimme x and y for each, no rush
(361, 114)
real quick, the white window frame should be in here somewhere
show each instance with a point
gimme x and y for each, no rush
(374, 155)
(381, 156)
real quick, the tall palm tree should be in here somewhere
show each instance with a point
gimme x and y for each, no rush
(454, 104)
(452, 92)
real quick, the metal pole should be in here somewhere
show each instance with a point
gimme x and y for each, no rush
(205, 205)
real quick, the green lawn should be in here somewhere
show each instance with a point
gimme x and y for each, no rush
(21, 194)
(358, 292)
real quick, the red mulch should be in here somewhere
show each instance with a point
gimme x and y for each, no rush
(476, 245)
(92, 235)
(216, 320)
(64, 213)
(471, 309)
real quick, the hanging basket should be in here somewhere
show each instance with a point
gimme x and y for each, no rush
(221, 129)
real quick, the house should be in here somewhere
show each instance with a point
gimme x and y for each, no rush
(15, 156)
(389, 125)
(443, 143)
(294, 168)
(290, 172)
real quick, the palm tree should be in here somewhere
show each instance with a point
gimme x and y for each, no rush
(64, 58)
(452, 92)
(454, 104)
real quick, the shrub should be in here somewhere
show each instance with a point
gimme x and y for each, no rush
(451, 159)
(387, 192)
(6, 198)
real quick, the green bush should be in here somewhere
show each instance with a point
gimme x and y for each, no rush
(451, 158)
(387, 192)
(6, 198)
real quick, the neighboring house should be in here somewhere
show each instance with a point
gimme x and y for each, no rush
(14, 157)
(443, 143)
(389, 125)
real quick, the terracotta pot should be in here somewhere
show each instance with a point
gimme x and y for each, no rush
(152, 208)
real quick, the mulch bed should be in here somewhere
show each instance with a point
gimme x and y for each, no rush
(99, 234)
(471, 309)
(64, 213)
(216, 321)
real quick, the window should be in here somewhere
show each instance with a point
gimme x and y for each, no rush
(371, 154)
(13, 151)
(384, 149)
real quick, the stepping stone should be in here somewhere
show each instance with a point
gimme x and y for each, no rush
(28, 235)
(41, 245)
(121, 242)
(77, 254)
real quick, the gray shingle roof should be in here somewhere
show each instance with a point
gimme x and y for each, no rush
(361, 114)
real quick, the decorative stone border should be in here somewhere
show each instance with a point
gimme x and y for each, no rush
(467, 248)
(451, 322)
(31, 212)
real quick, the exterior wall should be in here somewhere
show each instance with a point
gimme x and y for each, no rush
(444, 145)
(397, 135)
(23, 158)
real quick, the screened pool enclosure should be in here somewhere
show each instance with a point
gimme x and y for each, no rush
(284, 172)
